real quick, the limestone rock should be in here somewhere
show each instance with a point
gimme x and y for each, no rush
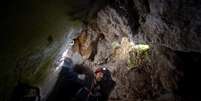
(171, 27)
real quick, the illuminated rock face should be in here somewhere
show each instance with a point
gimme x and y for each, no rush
(169, 27)
(174, 24)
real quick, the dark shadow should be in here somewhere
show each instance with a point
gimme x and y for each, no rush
(25, 92)
(85, 10)
(50, 39)
(189, 86)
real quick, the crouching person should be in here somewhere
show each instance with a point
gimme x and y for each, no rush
(100, 88)
(79, 83)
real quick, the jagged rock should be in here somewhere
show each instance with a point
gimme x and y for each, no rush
(104, 52)
(171, 23)
(169, 26)
(84, 44)
(112, 25)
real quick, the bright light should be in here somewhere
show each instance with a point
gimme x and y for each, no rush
(64, 54)
(141, 47)
(58, 67)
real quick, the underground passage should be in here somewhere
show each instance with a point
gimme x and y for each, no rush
(100, 50)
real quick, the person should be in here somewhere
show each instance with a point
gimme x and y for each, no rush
(103, 84)
(75, 83)
(68, 83)
(79, 83)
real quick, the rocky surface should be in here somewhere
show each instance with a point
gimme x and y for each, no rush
(36, 34)
(170, 23)
(170, 28)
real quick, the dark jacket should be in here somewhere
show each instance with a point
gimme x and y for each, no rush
(67, 84)
(70, 88)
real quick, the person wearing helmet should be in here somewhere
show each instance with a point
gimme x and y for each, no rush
(99, 73)
(100, 87)
(73, 84)
(78, 83)
(103, 85)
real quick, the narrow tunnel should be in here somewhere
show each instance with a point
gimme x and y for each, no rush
(100, 50)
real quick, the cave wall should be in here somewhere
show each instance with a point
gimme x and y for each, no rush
(34, 34)
(170, 23)
(170, 27)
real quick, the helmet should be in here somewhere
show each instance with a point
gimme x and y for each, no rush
(99, 69)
